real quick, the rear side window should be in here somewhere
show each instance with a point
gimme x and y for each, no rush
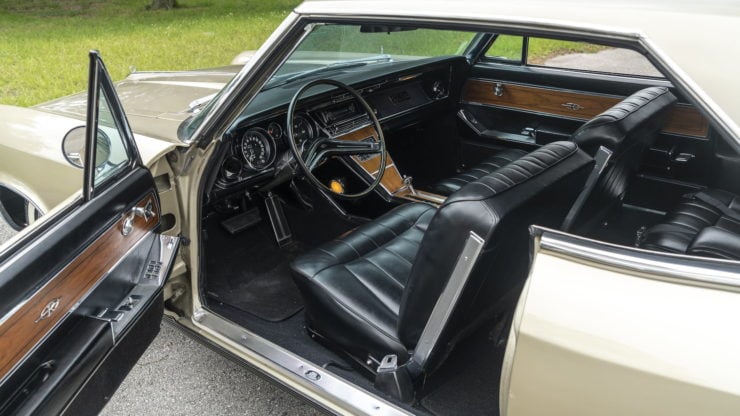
(570, 55)
(507, 48)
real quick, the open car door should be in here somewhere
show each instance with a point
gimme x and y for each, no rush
(82, 290)
(614, 330)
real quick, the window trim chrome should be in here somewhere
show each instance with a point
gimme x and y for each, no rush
(675, 268)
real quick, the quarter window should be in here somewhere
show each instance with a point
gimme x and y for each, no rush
(562, 54)
(111, 156)
(586, 56)
(506, 48)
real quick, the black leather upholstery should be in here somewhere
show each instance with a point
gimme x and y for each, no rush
(372, 291)
(631, 122)
(699, 228)
(453, 184)
(353, 285)
(626, 129)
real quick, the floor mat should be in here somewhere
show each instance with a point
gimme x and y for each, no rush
(250, 272)
(271, 296)
(468, 382)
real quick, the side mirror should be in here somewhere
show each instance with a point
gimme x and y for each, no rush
(73, 147)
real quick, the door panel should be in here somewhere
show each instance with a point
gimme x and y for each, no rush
(38, 314)
(683, 119)
(82, 294)
(614, 331)
(99, 298)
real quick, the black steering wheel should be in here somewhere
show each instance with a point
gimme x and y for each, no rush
(311, 154)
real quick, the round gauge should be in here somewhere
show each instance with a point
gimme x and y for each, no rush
(257, 148)
(302, 129)
(274, 130)
(231, 168)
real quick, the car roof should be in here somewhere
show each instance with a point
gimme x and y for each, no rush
(696, 41)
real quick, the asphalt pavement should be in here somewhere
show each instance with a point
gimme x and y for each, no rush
(179, 376)
(5, 231)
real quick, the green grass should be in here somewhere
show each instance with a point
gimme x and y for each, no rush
(44, 43)
(540, 49)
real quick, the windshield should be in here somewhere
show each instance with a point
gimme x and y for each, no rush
(331, 47)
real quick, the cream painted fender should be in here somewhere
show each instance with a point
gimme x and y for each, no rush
(612, 330)
(31, 160)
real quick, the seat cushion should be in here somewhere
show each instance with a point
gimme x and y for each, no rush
(451, 185)
(697, 227)
(353, 285)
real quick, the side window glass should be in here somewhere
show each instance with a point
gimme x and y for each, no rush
(111, 155)
(586, 56)
(507, 48)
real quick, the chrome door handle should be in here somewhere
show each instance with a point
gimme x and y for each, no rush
(498, 89)
(145, 212)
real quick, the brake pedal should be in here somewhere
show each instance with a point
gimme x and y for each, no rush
(279, 223)
(242, 221)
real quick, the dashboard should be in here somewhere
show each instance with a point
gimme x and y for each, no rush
(258, 138)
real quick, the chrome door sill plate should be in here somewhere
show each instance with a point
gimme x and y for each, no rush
(306, 378)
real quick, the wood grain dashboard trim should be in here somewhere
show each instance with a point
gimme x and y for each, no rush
(392, 181)
(683, 119)
(30, 323)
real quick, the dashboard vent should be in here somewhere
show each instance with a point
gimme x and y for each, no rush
(348, 125)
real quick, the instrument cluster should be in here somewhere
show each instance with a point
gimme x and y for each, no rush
(256, 147)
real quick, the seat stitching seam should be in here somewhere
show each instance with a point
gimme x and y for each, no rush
(396, 254)
(359, 280)
(358, 316)
(384, 271)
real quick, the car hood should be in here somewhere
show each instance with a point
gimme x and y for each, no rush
(156, 103)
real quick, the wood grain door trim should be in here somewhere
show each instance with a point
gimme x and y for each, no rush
(26, 326)
(683, 119)
(392, 181)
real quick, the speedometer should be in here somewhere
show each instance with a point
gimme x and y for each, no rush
(258, 149)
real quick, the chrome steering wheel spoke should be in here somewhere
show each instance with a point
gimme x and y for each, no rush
(310, 156)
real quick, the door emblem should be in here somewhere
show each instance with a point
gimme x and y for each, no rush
(48, 309)
(572, 106)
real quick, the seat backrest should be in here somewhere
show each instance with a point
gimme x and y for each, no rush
(626, 129)
(538, 188)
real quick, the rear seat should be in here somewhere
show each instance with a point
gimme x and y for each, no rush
(706, 223)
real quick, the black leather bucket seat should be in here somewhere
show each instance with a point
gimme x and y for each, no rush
(705, 223)
(371, 292)
(626, 129)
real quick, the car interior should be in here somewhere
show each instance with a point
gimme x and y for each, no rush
(373, 217)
